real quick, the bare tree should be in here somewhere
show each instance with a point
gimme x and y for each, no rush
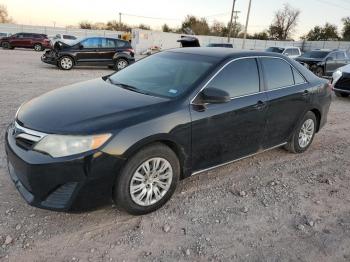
(284, 23)
(4, 16)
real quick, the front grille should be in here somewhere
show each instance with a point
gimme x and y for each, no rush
(26, 138)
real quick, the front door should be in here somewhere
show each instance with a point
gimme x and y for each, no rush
(88, 53)
(228, 131)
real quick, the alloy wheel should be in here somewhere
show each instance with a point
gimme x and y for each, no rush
(37, 47)
(151, 181)
(306, 133)
(121, 64)
(66, 63)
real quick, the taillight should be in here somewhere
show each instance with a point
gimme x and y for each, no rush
(130, 50)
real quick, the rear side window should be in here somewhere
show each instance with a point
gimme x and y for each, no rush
(70, 37)
(108, 43)
(278, 73)
(121, 43)
(239, 78)
(298, 79)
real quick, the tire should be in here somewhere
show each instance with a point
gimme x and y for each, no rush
(38, 47)
(5, 45)
(296, 145)
(340, 94)
(319, 72)
(120, 64)
(66, 63)
(132, 173)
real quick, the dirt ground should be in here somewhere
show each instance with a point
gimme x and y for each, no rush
(275, 206)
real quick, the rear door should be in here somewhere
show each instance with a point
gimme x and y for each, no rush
(341, 59)
(224, 132)
(331, 63)
(89, 51)
(288, 98)
(108, 49)
(18, 40)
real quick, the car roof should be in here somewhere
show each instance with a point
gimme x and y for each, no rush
(221, 52)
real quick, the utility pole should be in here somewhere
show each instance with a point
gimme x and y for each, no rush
(230, 25)
(235, 22)
(246, 24)
(120, 18)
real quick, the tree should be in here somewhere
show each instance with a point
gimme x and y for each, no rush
(85, 25)
(4, 15)
(166, 28)
(261, 35)
(196, 25)
(116, 26)
(284, 23)
(346, 29)
(218, 29)
(144, 27)
(319, 33)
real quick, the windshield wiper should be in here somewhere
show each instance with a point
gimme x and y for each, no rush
(129, 87)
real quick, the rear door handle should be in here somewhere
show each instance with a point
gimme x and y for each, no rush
(260, 105)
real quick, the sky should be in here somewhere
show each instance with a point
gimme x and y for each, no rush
(71, 12)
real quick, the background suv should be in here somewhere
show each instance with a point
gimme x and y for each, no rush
(38, 42)
(91, 51)
(324, 62)
(292, 52)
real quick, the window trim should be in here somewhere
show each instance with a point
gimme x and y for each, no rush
(260, 71)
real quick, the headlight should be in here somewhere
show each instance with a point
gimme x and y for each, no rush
(336, 76)
(61, 145)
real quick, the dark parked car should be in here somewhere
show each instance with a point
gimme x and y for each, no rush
(341, 81)
(92, 51)
(324, 62)
(220, 45)
(38, 42)
(132, 135)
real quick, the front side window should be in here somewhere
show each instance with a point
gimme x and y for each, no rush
(91, 42)
(340, 56)
(238, 78)
(278, 73)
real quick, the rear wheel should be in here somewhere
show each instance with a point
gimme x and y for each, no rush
(66, 63)
(341, 94)
(120, 64)
(148, 180)
(38, 47)
(303, 135)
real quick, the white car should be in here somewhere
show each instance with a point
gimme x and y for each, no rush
(341, 81)
(67, 39)
(291, 52)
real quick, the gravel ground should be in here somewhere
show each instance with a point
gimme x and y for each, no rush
(275, 206)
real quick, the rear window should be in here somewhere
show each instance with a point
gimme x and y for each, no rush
(278, 73)
(122, 43)
(275, 50)
(69, 37)
(108, 43)
(315, 54)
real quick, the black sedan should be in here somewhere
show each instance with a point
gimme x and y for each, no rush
(92, 51)
(341, 81)
(324, 62)
(131, 136)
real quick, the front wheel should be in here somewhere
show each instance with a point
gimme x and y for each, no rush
(5, 45)
(341, 94)
(38, 47)
(66, 63)
(319, 71)
(120, 64)
(303, 135)
(148, 180)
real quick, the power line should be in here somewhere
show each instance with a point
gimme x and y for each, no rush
(333, 4)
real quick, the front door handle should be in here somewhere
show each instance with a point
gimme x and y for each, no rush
(306, 93)
(260, 105)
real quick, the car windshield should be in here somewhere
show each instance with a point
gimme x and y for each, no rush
(315, 54)
(166, 74)
(275, 50)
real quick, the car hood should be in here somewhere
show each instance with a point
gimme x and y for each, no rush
(89, 107)
(308, 60)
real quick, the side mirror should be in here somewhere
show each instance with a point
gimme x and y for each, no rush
(213, 95)
(81, 46)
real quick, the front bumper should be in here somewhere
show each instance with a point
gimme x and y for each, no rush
(343, 84)
(49, 57)
(62, 184)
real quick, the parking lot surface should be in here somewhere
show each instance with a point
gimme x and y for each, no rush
(275, 206)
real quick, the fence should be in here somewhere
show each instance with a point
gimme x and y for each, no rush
(51, 31)
(145, 39)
